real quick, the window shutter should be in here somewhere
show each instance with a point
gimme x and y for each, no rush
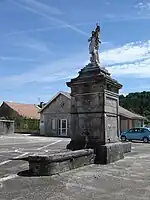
(58, 126)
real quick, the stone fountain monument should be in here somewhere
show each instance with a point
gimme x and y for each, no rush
(94, 109)
(94, 121)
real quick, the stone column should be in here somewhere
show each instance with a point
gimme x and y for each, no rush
(94, 108)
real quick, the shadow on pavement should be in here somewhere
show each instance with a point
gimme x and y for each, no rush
(26, 173)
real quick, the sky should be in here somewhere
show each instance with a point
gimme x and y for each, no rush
(44, 43)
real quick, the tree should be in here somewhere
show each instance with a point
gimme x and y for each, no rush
(138, 102)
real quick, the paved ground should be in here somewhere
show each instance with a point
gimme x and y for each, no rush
(127, 179)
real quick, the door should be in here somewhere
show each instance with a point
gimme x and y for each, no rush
(133, 134)
(143, 133)
(63, 127)
(130, 134)
(136, 133)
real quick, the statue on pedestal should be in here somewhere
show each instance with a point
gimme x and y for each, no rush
(94, 45)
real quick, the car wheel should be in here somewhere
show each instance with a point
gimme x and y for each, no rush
(123, 138)
(145, 140)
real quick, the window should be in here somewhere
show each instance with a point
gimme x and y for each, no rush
(144, 130)
(42, 119)
(137, 130)
(62, 125)
(53, 124)
(131, 131)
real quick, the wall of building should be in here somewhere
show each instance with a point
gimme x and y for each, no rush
(42, 128)
(7, 112)
(6, 127)
(138, 123)
(126, 124)
(50, 117)
(130, 123)
(123, 125)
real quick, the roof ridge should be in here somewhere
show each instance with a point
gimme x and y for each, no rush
(66, 94)
(19, 103)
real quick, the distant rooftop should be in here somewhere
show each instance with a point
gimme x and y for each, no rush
(126, 113)
(26, 110)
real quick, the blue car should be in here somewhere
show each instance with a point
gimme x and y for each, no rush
(141, 134)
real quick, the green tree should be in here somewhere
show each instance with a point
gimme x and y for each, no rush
(138, 102)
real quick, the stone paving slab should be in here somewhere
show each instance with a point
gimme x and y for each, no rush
(116, 181)
(127, 179)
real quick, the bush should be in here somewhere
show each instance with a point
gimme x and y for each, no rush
(26, 124)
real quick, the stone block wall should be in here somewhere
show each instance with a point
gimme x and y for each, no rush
(60, 162)
(111, 116)
(87, 112)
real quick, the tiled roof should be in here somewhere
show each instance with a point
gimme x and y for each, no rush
(126, 113)
(26, 110)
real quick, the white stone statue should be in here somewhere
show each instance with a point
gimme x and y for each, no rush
(94, 46)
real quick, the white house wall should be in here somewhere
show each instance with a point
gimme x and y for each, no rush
(58, 109)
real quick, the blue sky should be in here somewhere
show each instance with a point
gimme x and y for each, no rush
(44, 44)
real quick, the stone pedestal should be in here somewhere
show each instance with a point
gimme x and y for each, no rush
(94, 109)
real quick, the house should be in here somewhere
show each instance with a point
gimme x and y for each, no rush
(26, 116)
(129, 119)
(55, 117)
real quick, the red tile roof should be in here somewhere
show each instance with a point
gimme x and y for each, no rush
(25, 110)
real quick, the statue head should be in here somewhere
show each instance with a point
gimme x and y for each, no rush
(97, 28)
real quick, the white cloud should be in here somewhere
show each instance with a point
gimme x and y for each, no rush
(34, 45)
(127, 53)
(131, 60)
(123, 93)
(137, 69)
(49, 72)
(13, 58)
(42, 7)
(43, 14)
(143, 6)
(143, 9)
(49, 28)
